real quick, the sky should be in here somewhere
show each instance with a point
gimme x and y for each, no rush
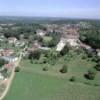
(51, 8)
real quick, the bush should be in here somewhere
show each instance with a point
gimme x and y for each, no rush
(84, 57)
(2, 62)
(72, 79)
(17, 69)
(64, 51)
(4, 72)
(64, 69)
(45, 69)
(97, 67)
(95, 59)
(87, 83)
(96, 84)
(92, 40)
(34, 55)
(42, 59)
(90, 74)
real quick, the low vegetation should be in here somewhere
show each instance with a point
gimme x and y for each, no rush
(64, 69)
(72, 79)
(93, 40)
(2, 62)
(33, 82)
(91, 74)
(17, 69)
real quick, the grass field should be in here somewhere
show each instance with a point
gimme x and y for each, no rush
(31, 83)
(47, 38)
(29, 86)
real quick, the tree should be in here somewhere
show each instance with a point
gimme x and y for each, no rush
(31, 61)
(2, 62)
(97, 67)
(52, 56)
(64, 69)
(4, 72)
(38, 38)
(56, 36)
(90, 74)
(42, 59)
(17, 69)
(34, 54)
(52, 43)
(46, 68)
(72, 79)
(83, 38)
(91, 37)
(64, 51)
(30, 38)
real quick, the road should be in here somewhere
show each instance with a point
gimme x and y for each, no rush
(12, 75)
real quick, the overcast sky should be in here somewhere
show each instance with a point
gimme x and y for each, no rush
(51, 8)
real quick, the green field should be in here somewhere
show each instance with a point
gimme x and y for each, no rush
(31, 83)
(47, 38)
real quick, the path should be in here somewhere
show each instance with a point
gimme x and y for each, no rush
(12, 76)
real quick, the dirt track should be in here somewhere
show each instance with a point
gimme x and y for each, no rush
(11, 77)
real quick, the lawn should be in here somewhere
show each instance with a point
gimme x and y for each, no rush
(29, 86)
(31, 83)
(47, 38)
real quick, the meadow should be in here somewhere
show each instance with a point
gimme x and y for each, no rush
(32, 83)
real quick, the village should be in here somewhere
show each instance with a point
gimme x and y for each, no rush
(12, 48)
(49, 49)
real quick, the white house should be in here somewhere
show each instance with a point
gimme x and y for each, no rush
(20, 43)
(61, 45)
(1, 77)
(72, 42)
(10, 59)
(2, 38)
(98, 52)
(44, 48)
(41, 33)
(12, 40)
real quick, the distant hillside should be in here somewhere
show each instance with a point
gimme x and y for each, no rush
(43, 20)
(9, 19)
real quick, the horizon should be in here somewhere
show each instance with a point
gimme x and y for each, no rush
(49, 17)
(73, 9)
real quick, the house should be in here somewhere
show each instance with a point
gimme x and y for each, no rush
(10, 59)
(12, 40)
(44, 48)
(2, 37)
(41, 33)
(1, 77)
(1, 50)
(1, 28)
(72, 42)
(61, 45)
(34, 47)
(85, 46)
(6, 52)
(9, 65)
(98, 52)
(19, 43)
